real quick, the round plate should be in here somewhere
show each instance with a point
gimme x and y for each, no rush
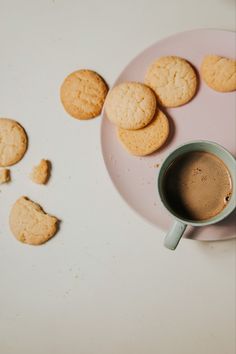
(210, 116)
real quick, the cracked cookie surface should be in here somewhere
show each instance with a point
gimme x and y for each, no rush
(30, 224)
(144, 141)
(173, 80)
(83, 93)
(219, 73)
(130, 105)
(13, 142)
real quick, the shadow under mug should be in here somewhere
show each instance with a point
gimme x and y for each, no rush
(174, 235)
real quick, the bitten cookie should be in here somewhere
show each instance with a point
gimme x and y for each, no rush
(5, 175)
(83, 93)
(130, 105)
(41, 173)
(13, 142)
(219, 73)
(30, 224)
(173, 79)
(144, 141)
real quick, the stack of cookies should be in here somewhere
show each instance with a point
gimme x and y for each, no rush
(141, 127)
(133, 107)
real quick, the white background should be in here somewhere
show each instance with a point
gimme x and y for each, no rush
(104, 284)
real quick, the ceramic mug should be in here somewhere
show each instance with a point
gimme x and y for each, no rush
(174, 235)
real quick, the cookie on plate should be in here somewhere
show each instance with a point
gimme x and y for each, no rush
(83, 93)
(41, 173)
(173, 80)
(219, 73)
(30, 224)
(13, 142)
(144, 141)
(130, 105)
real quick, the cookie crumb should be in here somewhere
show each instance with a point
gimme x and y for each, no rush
(5, 175)
(41, 173)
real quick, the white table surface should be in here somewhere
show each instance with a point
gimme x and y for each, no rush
(104, 284)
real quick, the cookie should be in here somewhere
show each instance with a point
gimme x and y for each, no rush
(41, 173)
(83, 94)
(219, 73)
(173, 80)
(144, 141)
(30, 224)
(5, 176)
(130, 105)
(13, 142)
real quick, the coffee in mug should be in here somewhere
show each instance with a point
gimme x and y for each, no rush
(197, 185)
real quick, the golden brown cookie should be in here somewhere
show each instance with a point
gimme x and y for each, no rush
(41, 173)
(5, 175)
(173, 80)
(13, 142)
(30, 224)
(219, 73)
(83, 93)
(130, 105)
(144, 141)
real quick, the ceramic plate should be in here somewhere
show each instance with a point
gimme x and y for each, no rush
(210, 115)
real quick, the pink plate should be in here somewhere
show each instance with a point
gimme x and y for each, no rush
(210, 115)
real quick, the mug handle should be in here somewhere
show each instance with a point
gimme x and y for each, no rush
(174, 235)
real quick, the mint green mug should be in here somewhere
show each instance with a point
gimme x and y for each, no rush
(174, 235)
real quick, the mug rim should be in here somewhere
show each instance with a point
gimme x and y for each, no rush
(210, 221)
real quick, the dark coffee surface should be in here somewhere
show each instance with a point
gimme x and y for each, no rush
(197, 185)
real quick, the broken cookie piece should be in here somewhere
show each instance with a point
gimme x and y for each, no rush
(41, 173)
(5, 175)
(30, 224)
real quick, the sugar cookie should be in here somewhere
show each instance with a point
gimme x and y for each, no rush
(13, 142)
(30, 224)
(173, 79)
(130, 105)
(219, 73)
(144, 141)
(83, 93)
